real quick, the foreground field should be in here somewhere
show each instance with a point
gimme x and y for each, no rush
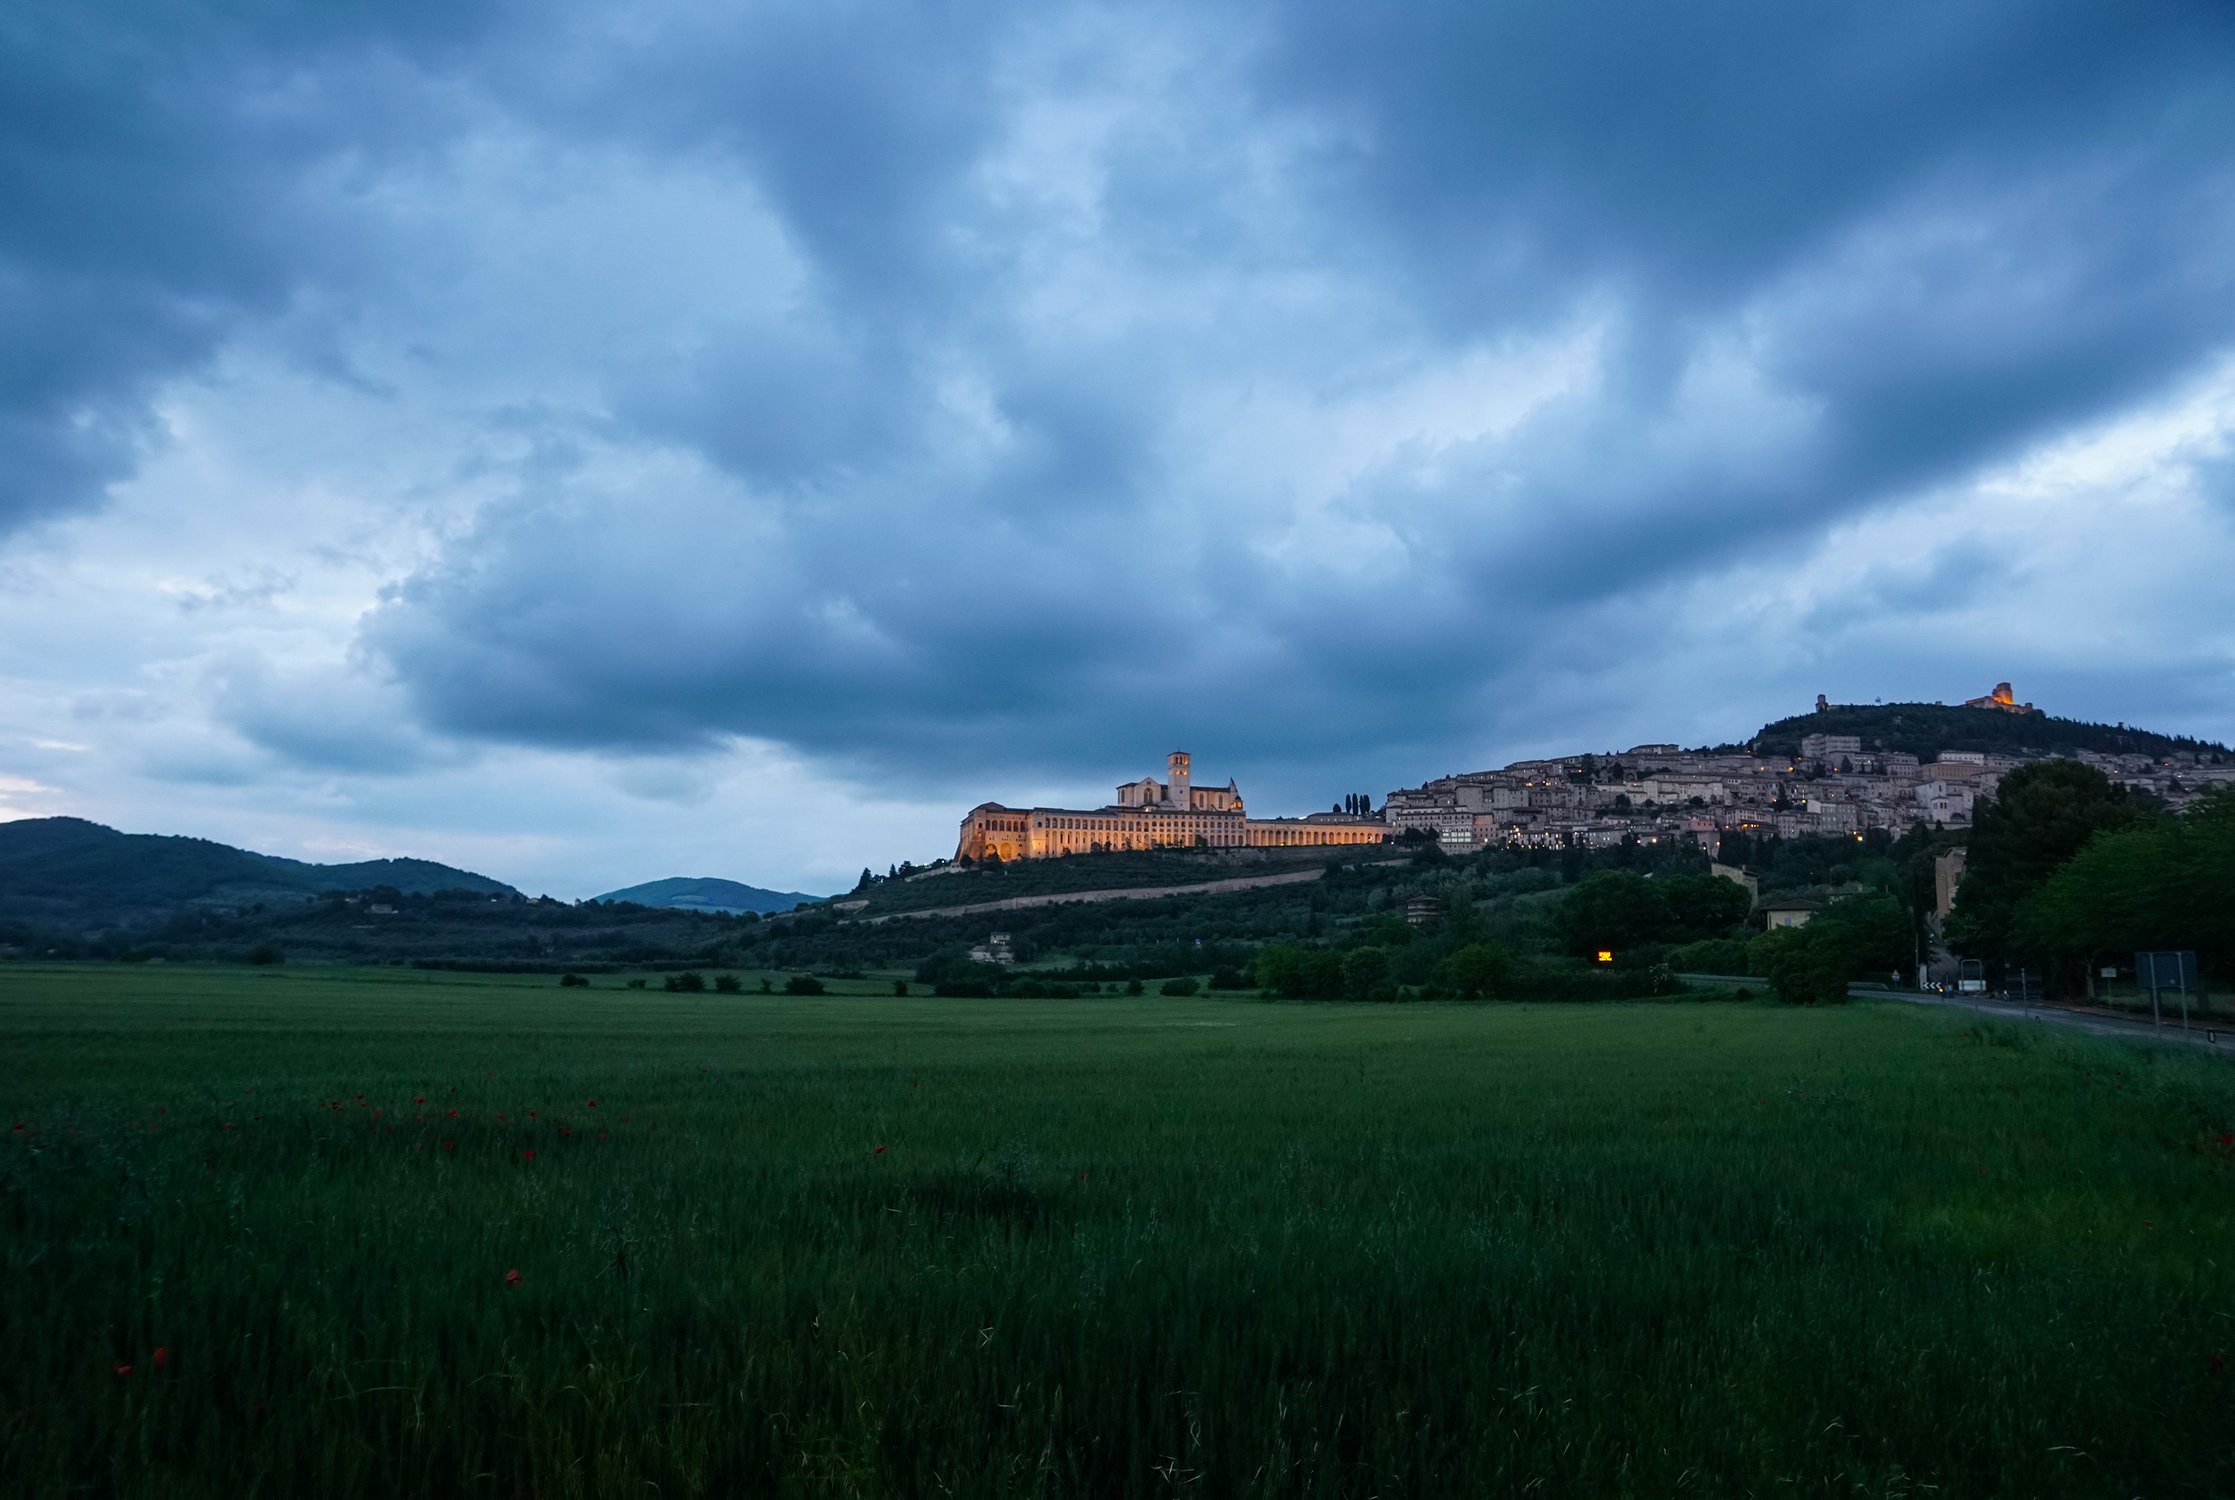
(262, 1230)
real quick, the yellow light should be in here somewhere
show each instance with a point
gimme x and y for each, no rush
(1606, 956)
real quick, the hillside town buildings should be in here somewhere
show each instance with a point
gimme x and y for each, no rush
(1834, 786)
(1152, 814)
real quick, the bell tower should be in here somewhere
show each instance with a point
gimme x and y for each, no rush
(1177, 770)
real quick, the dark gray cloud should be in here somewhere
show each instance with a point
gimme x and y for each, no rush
(160, 182)
(1313, 383)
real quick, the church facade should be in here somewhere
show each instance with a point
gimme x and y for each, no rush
(1150, 814)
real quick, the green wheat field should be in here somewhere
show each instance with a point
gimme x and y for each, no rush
(302, 1233)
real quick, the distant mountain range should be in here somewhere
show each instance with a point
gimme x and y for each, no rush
(706, 893)
(71, 870)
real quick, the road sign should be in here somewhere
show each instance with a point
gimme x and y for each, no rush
(2167, 970)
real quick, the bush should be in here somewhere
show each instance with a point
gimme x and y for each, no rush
(1228, 979)
(264, 953)
(1711, 956)
(1133, 986)
(636, 984)
(1805, 967)
(803, 984)
(573, 982)
(689, 982)
(1178, 987)
(1477, 971)
(728, 984)
(900, 987)
(1366, 975)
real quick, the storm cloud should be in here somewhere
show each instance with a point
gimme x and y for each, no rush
(943, 394)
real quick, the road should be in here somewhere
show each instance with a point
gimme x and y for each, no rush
(1109, 893)
(2217, 1037)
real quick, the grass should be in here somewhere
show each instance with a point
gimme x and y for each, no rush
(1111, 1246)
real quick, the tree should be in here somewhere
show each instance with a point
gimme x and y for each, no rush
(2042, 815)
(1802, 970)
(866, 881)
(1703, 906)
(1366, 975)
(1478, 970)
(2162, 883)
(1612, 911)
(1867, 937)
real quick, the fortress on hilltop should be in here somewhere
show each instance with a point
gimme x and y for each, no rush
(1149, 814)
(2003, 699)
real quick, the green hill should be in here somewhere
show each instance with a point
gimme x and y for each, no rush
(73, 871)
(708, 893)
(1926, 729)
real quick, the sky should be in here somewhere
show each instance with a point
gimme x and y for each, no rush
(594, 443)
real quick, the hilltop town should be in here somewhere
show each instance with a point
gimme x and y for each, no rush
(1828, 783)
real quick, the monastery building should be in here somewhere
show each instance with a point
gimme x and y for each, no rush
(1152, 814)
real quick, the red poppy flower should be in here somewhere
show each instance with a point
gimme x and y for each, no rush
(601, 1135)
(593, 1103)
(162, 1356)
(512, 1278)
(527, 1156)
(2219, 1363)
(880, 1151)
(531, 1114)
(453, 1114)
(2225, 1138)
(449, 1145)
(419, 1098)
(19, 1127)
(376, 1114)
(563, 1131)
(124, 1372)
(500, 1114)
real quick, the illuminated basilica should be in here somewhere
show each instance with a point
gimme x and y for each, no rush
(1151, 814)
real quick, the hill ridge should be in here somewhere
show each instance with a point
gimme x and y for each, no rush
(1926, 729)
(712, 893)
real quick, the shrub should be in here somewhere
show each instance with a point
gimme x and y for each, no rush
(1711, 956)
(803, 984)
(1228, 979)
(900, 986)
(1807, 969)
(1178, 987)
(728, 984)
(1133, 986)
(1477, 971)
(573, 982)
(636, 984)
(1366, 975)
(689, 982)
(264, 953)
